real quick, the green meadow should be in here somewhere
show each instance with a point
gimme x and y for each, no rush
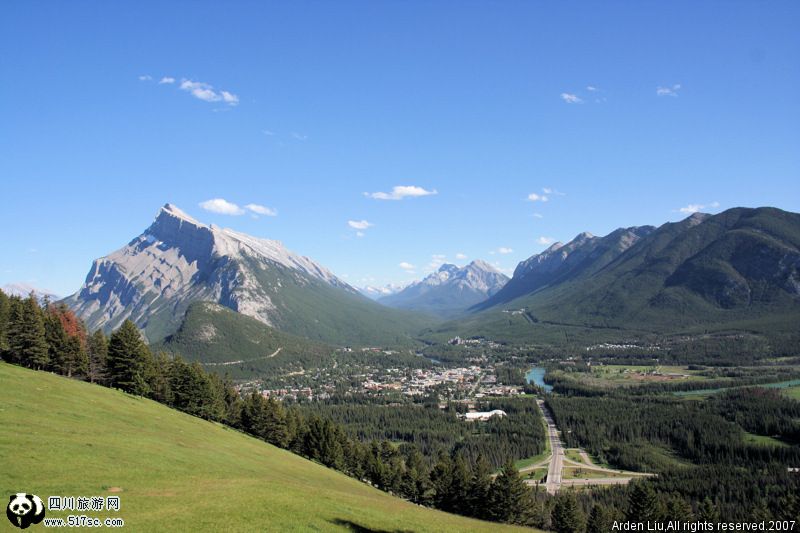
(175, 472)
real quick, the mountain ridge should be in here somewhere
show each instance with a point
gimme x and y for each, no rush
(450, 290)
(739, 269)
(177, 261)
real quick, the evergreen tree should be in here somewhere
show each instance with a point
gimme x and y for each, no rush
(57, 339)
(97, 348)
(26, 334)
(355, 459)
(679, 509)
(275, 429)
(707, 511)
(214, 407)
(233, 406)
(416, 481)
(251, 414)
(188, 387)
(643, 505)
(296, 427)
(158, 379)
(567, 516)
(509, 495)
(128, 360)
(376, 471)
(323, 443)
(789, 507)
(480, 489)
(458, 497)
(76, 357)
(5, 313)
(441, 480)
(600, 520)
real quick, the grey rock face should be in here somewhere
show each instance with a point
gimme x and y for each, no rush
(560, 262)
(450, 289)
(178, 260)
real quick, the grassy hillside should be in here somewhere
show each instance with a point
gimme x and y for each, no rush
(315, 310)
(174, 472)
(216, 336)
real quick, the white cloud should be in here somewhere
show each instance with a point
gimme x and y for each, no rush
(668, 91)
(360, 234)
(696, 208)
(538, 215)
(571, 98)
(401, 191)
(591, 88)
(261, 210)
(359, 224)
(461, 256)
(299, 137)
(503, 250)
(204, 91)
(533, 197)
(437, 260)
(408, 267)
(145, 77)
(549, 190)
(166, 80)
(269, 133)
(229, 98)
(222, 206)
(544, 241)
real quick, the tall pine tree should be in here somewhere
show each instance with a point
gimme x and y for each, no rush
(644, 505)
(480, 489)
(57, 340)
(26, 334)
(5, 313)
(128, 360)
(509, 495)
(600, 520)
(97, 347)
(567, 516)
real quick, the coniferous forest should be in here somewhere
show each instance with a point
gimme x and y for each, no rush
(51, 338)
(719, 458)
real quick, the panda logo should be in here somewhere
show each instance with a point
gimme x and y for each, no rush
(25, 509)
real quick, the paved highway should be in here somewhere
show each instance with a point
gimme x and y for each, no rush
(557, 461)
(557, 449)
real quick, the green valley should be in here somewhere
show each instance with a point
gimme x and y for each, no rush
(175, 472)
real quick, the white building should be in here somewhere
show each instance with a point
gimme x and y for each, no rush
(483, 416)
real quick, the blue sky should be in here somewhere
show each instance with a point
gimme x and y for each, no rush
(627, 112)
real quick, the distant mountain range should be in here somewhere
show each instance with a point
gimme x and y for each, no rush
(178, 261)
(375, 293)
(450, 290)
(23, 290)
(739, 269)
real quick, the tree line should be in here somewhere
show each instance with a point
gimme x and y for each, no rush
(698, 449)
(50, 337)
(731, 481)
(421, 423)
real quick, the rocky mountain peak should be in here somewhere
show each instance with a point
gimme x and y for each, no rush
(450, 289)
(479, 264)
(449, 268)
(178, 260)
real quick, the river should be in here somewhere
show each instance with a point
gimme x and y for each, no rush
(536, 376)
